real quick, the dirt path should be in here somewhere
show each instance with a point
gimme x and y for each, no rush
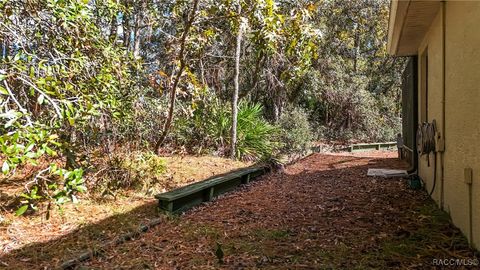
(320, 213)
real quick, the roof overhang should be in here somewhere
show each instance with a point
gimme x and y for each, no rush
(409, 22)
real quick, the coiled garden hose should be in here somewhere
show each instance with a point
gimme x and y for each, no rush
(426, 145)
(426, 137)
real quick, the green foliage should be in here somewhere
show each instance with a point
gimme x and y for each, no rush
(345, 110)
(59, 79)
(140, 123)
(78, 76)
(141, 171)
(296, 134)
(209, 128)
(145, 166)
(52, 184)
(256, 137)
(26, 145)
(206, 127)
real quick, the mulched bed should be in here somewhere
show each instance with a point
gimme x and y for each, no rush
(322, 212)
(33, 242)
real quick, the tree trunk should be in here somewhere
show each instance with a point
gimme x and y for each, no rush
(276, 112)
(4, 49)
(113, 29)
(126, 32)
(173, 90)
(136, 31)
(357, 48)
(137, 40)
(233, 144)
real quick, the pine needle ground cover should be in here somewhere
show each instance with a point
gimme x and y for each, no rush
(31, 241)
(322, 212)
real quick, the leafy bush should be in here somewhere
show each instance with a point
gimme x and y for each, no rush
(345, 110)
(139, 170)
(59, 83)
(210, 126)
(53, 184)
(207, 128)
(296, 134)
(145, 166)
(256, 137)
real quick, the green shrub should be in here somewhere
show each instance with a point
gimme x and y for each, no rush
(141, 171)
(207, 129)
(210, 125)
(257, 139)
(145, 165)
(346, 109)
(296, 134)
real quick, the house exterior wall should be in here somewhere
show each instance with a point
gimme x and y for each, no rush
(432, 46)
(462, 111)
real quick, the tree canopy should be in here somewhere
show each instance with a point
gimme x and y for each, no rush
(82, 77)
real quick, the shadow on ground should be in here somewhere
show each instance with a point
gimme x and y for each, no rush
(321, 212)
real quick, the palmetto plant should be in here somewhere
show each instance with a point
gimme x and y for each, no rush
(211, 125)
(256, 137)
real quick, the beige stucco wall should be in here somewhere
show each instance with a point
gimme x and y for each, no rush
(432, 44)
(462, 109)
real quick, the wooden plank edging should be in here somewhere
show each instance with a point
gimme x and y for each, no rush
(176, 201)
(371, 146)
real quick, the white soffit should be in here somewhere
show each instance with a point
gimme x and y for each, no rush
(408, 24)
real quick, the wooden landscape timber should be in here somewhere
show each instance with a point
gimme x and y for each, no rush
(372, 146)
(184, 198)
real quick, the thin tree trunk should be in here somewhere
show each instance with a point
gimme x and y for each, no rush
(136, 38)
(356, 47)
(126, 32)
(276, 112)
(136, 31)
(5, 48)
(113, 29)
(233, 144)
(173, 90)
(202, 72)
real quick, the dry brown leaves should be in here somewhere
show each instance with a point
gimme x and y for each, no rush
(320, 213)
(32, 242)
